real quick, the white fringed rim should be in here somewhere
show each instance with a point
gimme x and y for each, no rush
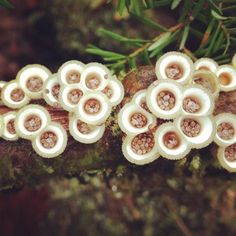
(48, 91)
(117, 91)
(125, 115)
(140, 99)
(175, 58)
(228, 165)
(227, 77)
(24, 113)
(206, 134)
(6, 96)
(98, 118)
(168, 86)
(172, 154)
(2, 84)
(70, 66)
(60, 146)
(135, 158)
(96, 132)
(34, 70)
(63, 96)
(201, 95)
(6, 134)
(97, 70)
(228, 118)
(206, 64)
(210, 81)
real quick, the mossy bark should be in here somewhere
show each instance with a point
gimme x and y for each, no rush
(19, 165)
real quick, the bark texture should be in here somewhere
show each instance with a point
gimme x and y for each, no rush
(19, 165)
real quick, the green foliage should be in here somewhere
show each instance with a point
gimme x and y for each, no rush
(203, 29)
(5, 3)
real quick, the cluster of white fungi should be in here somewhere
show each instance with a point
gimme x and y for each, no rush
(175, 113)
(169, 118)
(87, 92)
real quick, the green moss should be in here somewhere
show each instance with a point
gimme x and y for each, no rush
(7, 173)
(141, 201)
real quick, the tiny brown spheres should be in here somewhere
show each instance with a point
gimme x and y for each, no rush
(190, 90)
(169, 125)
(33, 122)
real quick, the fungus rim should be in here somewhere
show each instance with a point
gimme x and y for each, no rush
(137, 159)
(27, 111)
(63, 96)
(205, 137)
(6, 95)
(98, 118)
(162, 85)
(140, 97)
(205, 99)
(232, 71)
(124, 119)
(47, 91)
(206, 62)
(2, 84)
(60, 146)
(6, 134)
(171, 154)
(92, 137)
(210, 76)
(225, 117)
(229, 166)
(99, 69)
(33, 70)
(118, 91)
(175, 57)
(69, 66)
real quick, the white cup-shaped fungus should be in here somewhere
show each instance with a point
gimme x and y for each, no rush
(170, 142)
(176, 66)
(95, 77)
(31, 79)
(13, 96)
(227, 77)
(51, 91)
(199, 132)
(164, 99)
(140, 149)
(94, 108)
(206, 64)
(31, 120)
(70, 72)
(225, 129)
(114, 91)
(51, 141)
(70, 96)
(197, 101)
(9, 131)
(227, 157)
(133, 120)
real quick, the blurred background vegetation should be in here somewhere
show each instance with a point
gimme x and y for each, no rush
(189, 197)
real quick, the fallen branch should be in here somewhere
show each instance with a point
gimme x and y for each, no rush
(20, 165)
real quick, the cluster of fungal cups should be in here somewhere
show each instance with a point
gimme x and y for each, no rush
(169, 118)
(87, 92)
(175, 113)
